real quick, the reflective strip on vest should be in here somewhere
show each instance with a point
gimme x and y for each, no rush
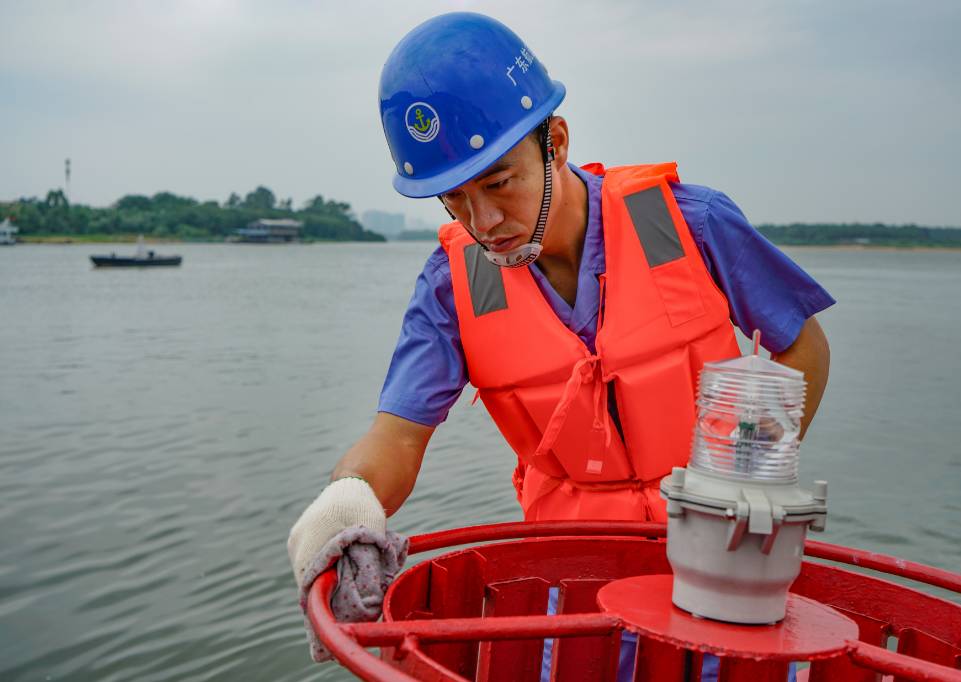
(654, 226)
(485, 281)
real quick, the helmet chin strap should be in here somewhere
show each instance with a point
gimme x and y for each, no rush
(528, 253)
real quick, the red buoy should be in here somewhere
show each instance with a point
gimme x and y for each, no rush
(481, 614)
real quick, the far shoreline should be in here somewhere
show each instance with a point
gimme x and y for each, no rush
(867, 247)
(132, 239)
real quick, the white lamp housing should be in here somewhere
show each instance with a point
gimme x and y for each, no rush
(737, 518)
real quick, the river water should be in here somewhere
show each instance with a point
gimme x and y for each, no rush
(160, 430)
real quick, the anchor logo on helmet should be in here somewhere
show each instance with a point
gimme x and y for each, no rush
(423, 123)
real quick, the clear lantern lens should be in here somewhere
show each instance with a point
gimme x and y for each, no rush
(749, 419)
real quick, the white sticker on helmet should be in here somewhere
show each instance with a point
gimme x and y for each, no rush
(422, 121)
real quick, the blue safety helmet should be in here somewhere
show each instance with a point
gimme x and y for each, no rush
(456, 94)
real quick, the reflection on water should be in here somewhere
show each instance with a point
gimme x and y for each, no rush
(161, 430)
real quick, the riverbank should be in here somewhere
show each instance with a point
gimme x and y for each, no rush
(99, 239)
(867, 247)
(132, 239)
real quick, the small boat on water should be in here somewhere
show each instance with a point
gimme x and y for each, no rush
(144, 258)
(8, 233)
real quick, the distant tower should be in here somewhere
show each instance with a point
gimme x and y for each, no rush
(66, 172)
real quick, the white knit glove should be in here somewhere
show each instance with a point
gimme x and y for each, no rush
(344, 503)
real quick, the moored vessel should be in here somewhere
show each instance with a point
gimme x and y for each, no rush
(143, 258)
(8, 233)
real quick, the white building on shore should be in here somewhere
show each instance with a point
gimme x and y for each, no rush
(271, 231)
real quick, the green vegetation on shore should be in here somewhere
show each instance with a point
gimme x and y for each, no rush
(876, 234)
(799, 234)
(417, 236)
(166, 216)
(169, 216)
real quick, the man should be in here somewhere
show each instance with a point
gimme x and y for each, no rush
(580, 302)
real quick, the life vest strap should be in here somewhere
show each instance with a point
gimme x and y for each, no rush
(605, 486)
(585, 371)
(568, 486)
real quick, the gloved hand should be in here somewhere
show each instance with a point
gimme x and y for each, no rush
(344, 503)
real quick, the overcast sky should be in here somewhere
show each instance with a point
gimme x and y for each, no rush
(800, 111)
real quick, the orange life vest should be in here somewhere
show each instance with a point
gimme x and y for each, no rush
(661, 317)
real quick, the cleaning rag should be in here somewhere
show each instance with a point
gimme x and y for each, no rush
(367, 562)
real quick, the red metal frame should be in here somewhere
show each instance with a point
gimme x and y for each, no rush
(444, 645)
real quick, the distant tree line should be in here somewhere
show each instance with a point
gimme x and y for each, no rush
(167, 215)
(826, 234)
(417, 236)
(876, 234)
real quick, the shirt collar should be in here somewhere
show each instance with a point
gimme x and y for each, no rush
(592, 259)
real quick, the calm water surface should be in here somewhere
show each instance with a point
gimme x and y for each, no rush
(160, 430)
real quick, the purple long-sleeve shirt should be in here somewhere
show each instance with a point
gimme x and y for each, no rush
(765, 289)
